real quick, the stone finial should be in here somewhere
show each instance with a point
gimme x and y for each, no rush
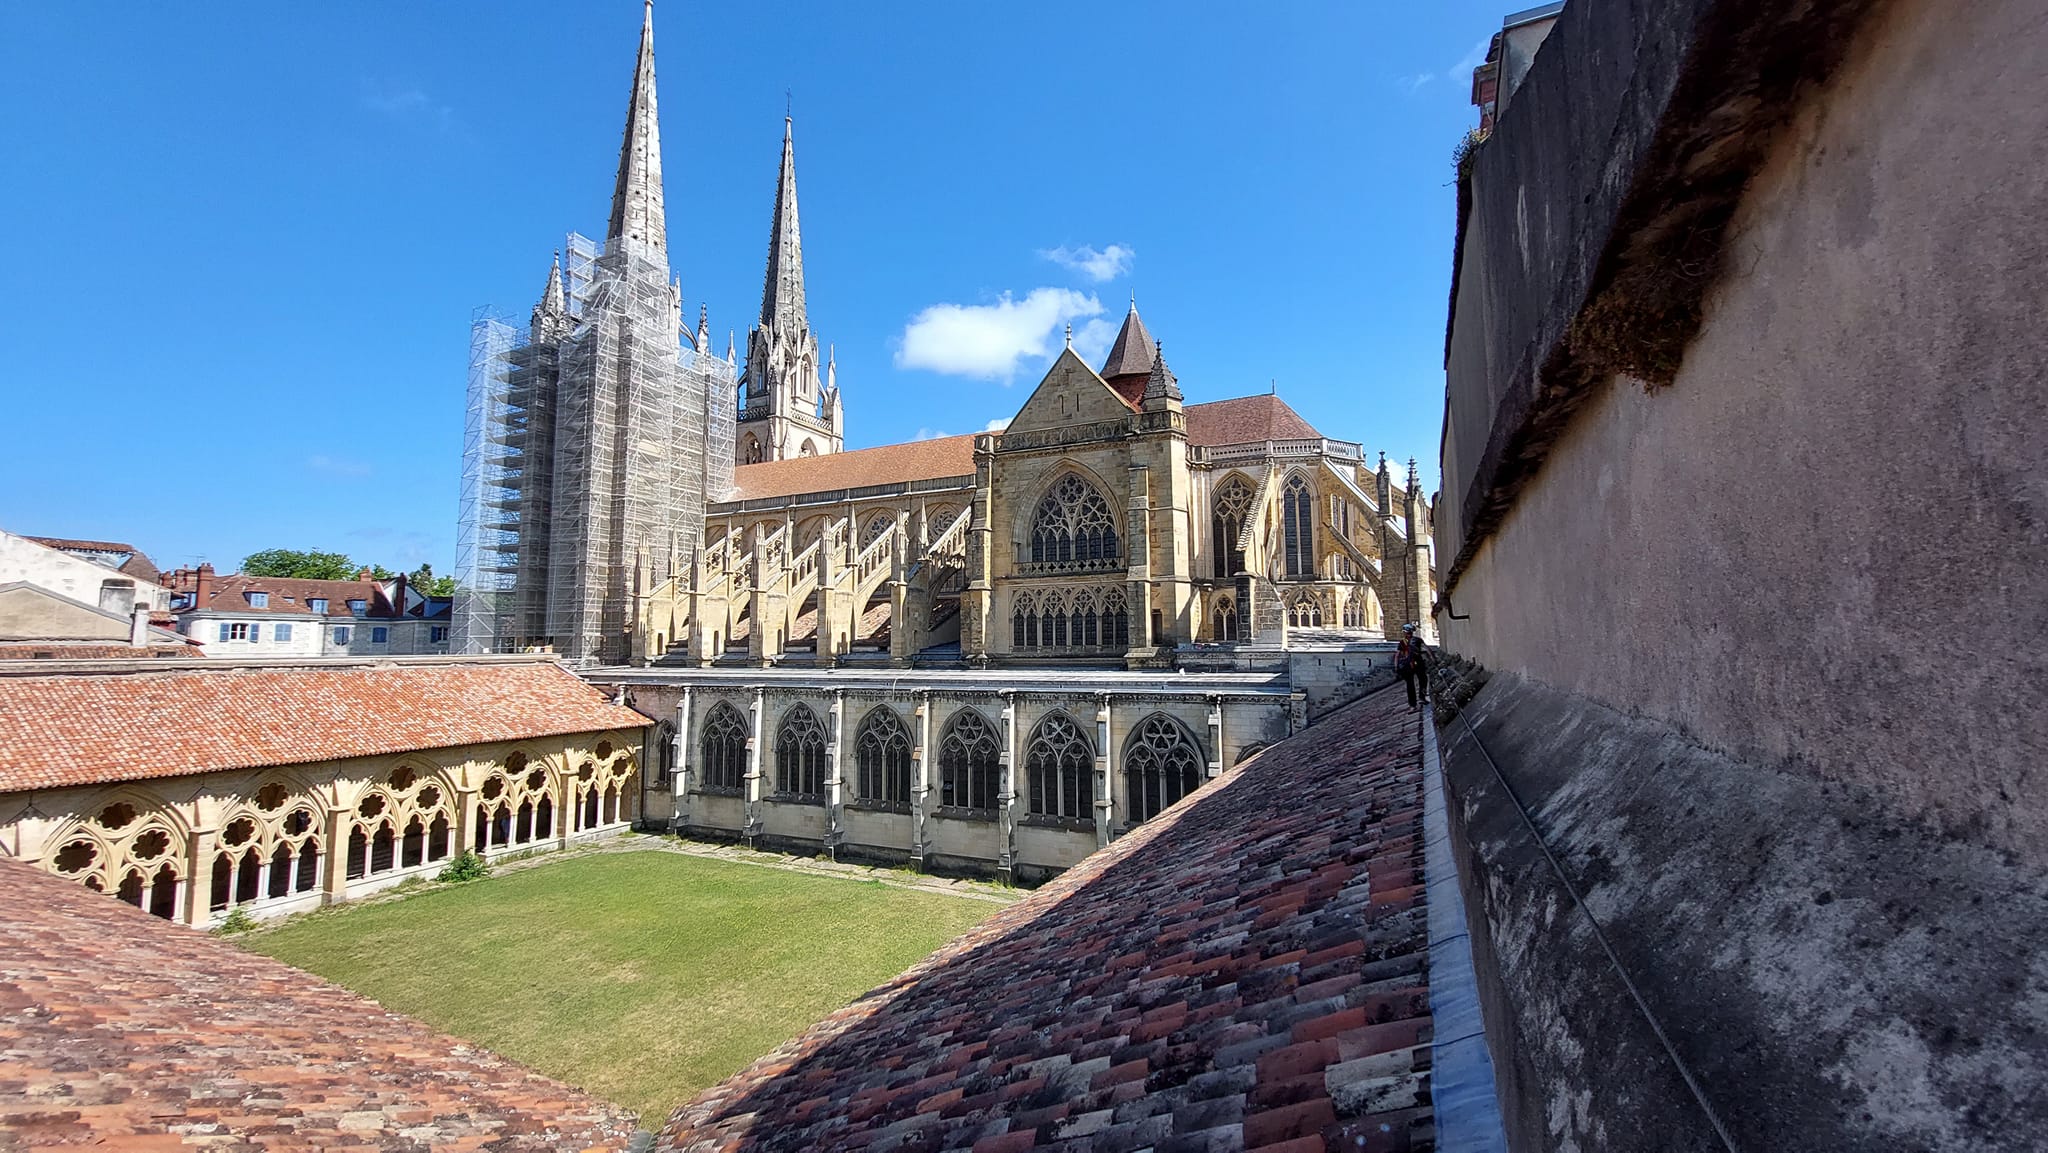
(1161, 384)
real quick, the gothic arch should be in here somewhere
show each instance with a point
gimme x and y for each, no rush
(1025, 511)
(1298, 528)
(970, 761)
(800, 743)
(1163, 762)
(881, 753)
(1059, 766)
(1231, 501)
(723, 749)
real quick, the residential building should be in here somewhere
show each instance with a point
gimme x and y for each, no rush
(108, 574)
(250, 616)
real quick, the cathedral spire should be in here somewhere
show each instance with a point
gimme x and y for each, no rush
(782, 297)
(638, 220)
(552, 298)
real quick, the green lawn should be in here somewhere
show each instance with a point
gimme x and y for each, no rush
(640, 976)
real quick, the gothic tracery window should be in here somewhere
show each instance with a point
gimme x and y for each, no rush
(724, 748)
(1297, 525)
(1226, 619)
(1073, 526)
(1060, 764)
(1085, 619)
(800, 754)
(1161, 765)
(882, 754)
(1233, 504)
(970, 762)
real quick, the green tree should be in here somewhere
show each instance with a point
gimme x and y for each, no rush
(380, 573)
(307, 564)
(423, 579)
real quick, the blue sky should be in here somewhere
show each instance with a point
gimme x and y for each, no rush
(248, 238)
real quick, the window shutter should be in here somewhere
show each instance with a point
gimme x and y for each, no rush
(223, 630)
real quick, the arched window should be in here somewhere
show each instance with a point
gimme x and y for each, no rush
(1060, 763)
(1297, 525)
(1354, 612)
(1073, 527)
(663, 761)
(1233, 503)
(750, 450)
(800, 754)
(1226, 619)
(1161, 765)
(970, 762)
(1305, 610)
(882, 752)
(725, 748)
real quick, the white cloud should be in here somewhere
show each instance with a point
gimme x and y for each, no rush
(987, 341)
(998, 424)
(1415, 82)
(1092, 340)
(1470, 60)
(931, 434)
(337, 466)
(408, 105)
(1107, 264)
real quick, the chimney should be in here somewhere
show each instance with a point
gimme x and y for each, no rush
(364, 575)
(202, 594)
(138, 624)
(398, 597)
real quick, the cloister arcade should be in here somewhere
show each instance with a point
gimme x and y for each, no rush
(286, 839)
(1022, 778)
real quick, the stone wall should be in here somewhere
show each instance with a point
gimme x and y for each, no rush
(1221, 720)
(1767, 608)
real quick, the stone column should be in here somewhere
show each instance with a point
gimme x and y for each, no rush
(920, 778)
(1105, 771)
(757, 712)
(334, 886)
(465, 820)
(679, 766)
(199, 875)
(835, 830)
(1006, 792)
(1215, 737)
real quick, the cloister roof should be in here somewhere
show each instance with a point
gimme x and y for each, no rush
(90, 727)
(1245, 970)
(125, 1031)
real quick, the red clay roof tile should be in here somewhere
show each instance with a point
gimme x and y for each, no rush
(1195, 985)
(82, 728)
(123, 1031)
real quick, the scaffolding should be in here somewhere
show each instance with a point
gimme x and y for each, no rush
(591, 448)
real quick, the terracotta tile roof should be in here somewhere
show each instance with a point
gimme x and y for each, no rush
(888, 464)
(1245, 970)
(73, 729)
(1246, 419)
(122, 1031)
(295, 595)
(94, 651)
(1241, 420)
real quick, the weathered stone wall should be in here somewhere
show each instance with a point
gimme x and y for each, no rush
(1768, 625)
(1789, 551)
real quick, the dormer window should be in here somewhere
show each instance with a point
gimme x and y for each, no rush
(259, 600)
(318, 605)
(359, 607)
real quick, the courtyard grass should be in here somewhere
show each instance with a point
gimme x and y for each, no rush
(642, 977)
